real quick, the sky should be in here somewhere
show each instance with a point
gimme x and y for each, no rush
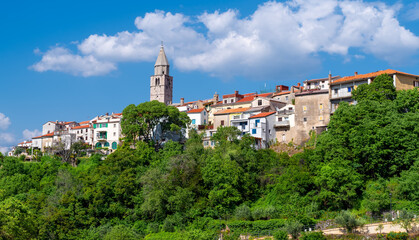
(74, 60)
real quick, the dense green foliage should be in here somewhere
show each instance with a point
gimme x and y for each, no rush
(185, 191)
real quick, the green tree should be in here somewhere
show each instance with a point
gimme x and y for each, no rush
(348, 221)
(141, 122)
(16, 220)
(380, 89)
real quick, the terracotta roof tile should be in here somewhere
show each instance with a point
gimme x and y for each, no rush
(246, 99)
(84, 122)
(234, 110)
(196, 110)
(261, 115)
(81, 127)
(265, 94)
(282, 93)
(370, 75)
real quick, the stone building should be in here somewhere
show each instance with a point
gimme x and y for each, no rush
(161, 83)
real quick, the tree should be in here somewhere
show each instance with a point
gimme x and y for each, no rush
(226, 135)
(151, 121)
(406, 220)
(380, 89)
(348, 221)
(16, 220)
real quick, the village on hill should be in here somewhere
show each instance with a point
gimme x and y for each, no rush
(286, 115)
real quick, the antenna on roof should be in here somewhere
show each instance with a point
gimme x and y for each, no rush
(161, 43)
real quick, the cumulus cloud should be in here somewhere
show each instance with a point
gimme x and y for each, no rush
(27, 134)
(62, 60)
(278, 38)
(6, 138)
(4, 150)
(412, 14)
(4, 121)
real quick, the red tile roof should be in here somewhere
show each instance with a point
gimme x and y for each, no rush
(264, 94)
(282, 93)
(46, 135)
(84, 122)
(261, 115)
(370, 75)
(234, 110)
(196, 110)
(246, 99)
(81, 127)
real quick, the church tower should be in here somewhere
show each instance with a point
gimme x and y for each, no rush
(161, 84)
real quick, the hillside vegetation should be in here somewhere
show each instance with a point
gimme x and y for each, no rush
(371, 150)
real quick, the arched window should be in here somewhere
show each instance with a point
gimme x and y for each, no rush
(98, 145)
(114, 145)
(157, 81)
(106, 144)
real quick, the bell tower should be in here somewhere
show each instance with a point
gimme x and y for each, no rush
(161, 84)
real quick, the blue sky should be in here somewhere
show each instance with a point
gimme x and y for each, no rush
(73, 60)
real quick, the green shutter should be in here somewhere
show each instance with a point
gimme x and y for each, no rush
(94, 126)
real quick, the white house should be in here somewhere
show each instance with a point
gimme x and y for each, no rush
(107, 131)
(83, 133)
(262, 128)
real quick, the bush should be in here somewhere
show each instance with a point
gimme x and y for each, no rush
(348, 221)
(121, 232)
(313, 236)
(280, 235)
(197, 234)
(294, 229)
(166, 236)
(242, 212)
(397, 236)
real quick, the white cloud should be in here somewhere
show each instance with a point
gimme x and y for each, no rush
(412, 14)
(6, 138)
(27, 134)
(279, 38)
(4, 150)
(62, 60)
(4, 121)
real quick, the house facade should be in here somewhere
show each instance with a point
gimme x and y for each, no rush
(107, 131)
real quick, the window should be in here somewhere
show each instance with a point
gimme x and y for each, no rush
(222, 122)
(321, 106)
(205, 112)
(320, 118)
(98, 145)
(106, 144)
(279, 119)
(114, 134)
(232, 100)
(205, 121)
(349, 89)
(193, 121)
(259, 102)
(256, 122)
(304, 108)
(205, 143)
(416, 83)
(225, 101)
(253, 131)
(86, 138)
(114, 125)
(305, 119)
(335, 91)
(286, 98)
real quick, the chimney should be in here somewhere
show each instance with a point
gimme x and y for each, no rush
(236, 92)
(215, 98)
(299, 84)
(330, 77)
(182, 101)
(356, 73)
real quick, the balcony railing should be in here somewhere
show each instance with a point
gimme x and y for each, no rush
(285, 112)
(285, 123)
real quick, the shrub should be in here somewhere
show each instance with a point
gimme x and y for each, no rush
(313, 236)
(294, 229)
(197, 234)
(397, 236)
(348, 221)
(243, 212)
(280, 235)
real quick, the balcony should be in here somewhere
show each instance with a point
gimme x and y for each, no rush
(341, 95)
(285, 112)
(285, 123)
(102, 136)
